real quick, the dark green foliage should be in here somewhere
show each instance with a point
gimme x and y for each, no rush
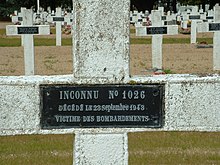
(8, 7)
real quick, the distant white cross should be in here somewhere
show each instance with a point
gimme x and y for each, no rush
(58, 19)
(157, 30)
(213, 27)
(28, 31)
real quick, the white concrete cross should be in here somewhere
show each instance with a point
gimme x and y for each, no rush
(210, 18)
(58, 19)
(68, 18)
(101, 56)
(134, 17)
(16, 18)
(28, 30)
(163, 17)
(207, 7)
(157, 30)
(171, 18)
(213, 27)
(194, 17)
(184, 20)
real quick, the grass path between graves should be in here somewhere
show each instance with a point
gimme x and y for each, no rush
(144, 148)
(15, 42)
(44, 41)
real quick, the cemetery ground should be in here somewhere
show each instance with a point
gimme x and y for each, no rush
(179, 56)
(144, 148)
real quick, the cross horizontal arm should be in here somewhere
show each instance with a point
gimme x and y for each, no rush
(152, 30)
(35, 30)
(208, 27)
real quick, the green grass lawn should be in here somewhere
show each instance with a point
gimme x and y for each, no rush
(169, 40)
(16, 41)
(36, 150)
(169, 148)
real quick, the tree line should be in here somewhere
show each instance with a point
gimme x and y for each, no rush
(7, 7)
(199, 2)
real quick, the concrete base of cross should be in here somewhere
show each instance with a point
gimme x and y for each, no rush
(90, 147)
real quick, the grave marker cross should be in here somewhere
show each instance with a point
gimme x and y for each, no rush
(58, 19)
(101, 58)
(28, 31)
(101, 52)
(157, 31)
(194, 17)
(213, 27)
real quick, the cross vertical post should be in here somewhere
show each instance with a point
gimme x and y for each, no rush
(22, 23)
(28, 43)
(58, 28)
(157, 40)
(194, 17)
(38, 5)
(216, 40)
(101, 35)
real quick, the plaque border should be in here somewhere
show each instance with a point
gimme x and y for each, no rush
(161, 113)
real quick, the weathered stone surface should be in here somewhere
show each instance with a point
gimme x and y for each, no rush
(101, 39)
(191, 103)
(89, 149)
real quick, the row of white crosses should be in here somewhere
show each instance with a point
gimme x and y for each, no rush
(66, 17)
(51, 18)
(136, 17)
(205, 24)
(157, 30)
(17, 17)
(28, 30)
(58, 18)
(43, 17)
(194, 16)
(140, 18)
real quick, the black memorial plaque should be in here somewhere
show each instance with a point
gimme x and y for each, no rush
(192, 17)
(156, 30)
(163, 18)
(209, 17)
(20, 19)
(28, 30)
(64, 106)
(214, 27)
(58, 19)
